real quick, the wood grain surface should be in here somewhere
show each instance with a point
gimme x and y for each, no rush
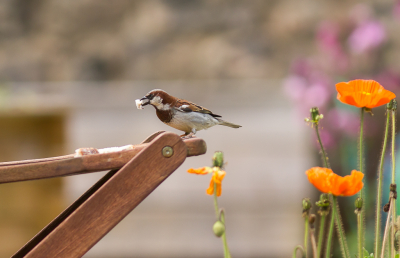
(112, 201)
(70, 165)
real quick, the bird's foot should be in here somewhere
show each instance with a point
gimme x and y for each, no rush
(188, 136)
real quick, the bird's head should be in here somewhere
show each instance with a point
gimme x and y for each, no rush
(157, 98)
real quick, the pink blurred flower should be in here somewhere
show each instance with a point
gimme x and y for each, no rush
(328, 37)
(328, 140)
(396, 10)
(328, 40)
(389, 79)
(295, 87)
(307, 93)
(367, 36)
(316, 95)
(301, 67)
(342, 120)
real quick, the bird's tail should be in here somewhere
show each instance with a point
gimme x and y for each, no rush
(222, 122)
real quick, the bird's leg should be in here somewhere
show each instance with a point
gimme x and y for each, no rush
(184, 135)
(189, 135)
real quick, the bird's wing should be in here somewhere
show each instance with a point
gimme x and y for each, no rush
(186, 106)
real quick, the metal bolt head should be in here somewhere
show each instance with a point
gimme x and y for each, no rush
(167, 151)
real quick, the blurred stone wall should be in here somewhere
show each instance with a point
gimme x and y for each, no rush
(204, 51)
(43, 40)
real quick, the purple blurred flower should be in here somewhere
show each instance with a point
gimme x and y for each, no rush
(388, 79)
(328, 40)
(341, 120)
(396, 10)
(307, 93)
(367, 36)
(301, 67)
(295, 87)
(328, 140)
(316, 95)
(328, 37)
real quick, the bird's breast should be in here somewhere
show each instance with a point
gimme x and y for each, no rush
(164, 115)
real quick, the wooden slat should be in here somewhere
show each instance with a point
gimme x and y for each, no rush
(70, 165)
(112, 201)
(60, 218)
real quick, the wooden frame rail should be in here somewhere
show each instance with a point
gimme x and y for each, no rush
(134, 175)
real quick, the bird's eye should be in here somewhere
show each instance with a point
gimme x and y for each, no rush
(150, 96)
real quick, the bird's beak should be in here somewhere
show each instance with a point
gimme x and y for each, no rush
(145, 101)
(142, 102)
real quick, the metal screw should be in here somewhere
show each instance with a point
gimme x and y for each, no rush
(167, 151)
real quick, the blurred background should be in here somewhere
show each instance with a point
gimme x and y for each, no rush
(71, 70)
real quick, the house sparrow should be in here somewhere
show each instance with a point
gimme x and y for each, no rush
(181, 114)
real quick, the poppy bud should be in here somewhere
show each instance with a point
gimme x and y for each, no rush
(392, 105)
(219, 228)
(311, 219)
(358, 204)
(218, 159)
(324, 197)
(306, 205)
(323, 200)
(323, 204)
(315, 116)
(386, 207)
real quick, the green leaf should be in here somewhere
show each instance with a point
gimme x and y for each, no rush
(366, 253)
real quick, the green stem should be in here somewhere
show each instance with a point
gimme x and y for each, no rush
(359, 233)
(392, 229)
(360, 216)
(361, 141)
(298, 247)
(321, 234)
(390, 244)
(324, 156)
(222, 219)
(385, 233)
(322, 223)
(340, 230)
(216, 201)
(313, 243)
(225, 243)
(393, 200)
(330, 234)
(306, 227)
(379, 190)
(393, 147)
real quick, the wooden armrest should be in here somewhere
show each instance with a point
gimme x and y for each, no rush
(70, 165)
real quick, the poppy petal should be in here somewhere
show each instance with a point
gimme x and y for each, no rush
(363, 93)
(328, 182)
(200, 171)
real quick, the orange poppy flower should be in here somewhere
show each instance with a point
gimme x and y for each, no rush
(216, 178)
(328, 182)
(200, 171)
(363, 93)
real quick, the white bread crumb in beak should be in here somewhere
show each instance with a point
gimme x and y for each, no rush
(139, 104)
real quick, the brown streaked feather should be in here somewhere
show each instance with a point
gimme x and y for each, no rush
(193, 107)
